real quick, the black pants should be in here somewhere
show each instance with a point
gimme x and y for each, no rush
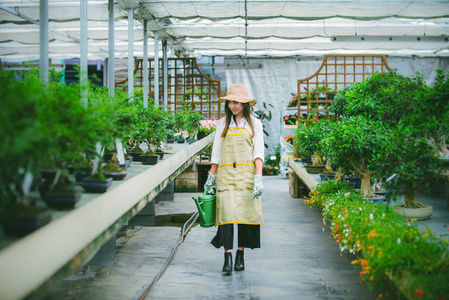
(248, 236)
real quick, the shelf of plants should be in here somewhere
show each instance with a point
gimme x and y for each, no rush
(53, 141)
(74, 236)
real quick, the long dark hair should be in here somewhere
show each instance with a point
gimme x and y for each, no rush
(229, 115)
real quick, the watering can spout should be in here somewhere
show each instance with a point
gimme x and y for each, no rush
(198, 205)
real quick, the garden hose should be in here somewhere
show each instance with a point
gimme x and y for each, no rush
(185, 229)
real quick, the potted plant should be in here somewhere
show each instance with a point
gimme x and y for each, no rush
(271, 162)
(415, 166)
(24, 142)
(431, 115)
(154, 131)
(395, 102)
(206, 128)
(351, 144)
(293, 101)
(192, 122)
(307, 142)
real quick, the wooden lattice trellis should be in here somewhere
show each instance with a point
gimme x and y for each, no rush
(316, 92)
(186, 84)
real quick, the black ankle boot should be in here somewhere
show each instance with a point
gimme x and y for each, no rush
(239, 261)
(227, 266)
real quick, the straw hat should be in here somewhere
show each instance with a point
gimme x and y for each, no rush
(238, 92)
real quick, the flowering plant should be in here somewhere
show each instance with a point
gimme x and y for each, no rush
(290, 120)
(293, 101)
(386, 246)
(288, 139)
(208, 126)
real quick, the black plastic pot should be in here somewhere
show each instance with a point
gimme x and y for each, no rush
(160, 153)
(66, 200)
(22, 220)
(201, 135)
(96, 186)
(149, 159)
(135, 155)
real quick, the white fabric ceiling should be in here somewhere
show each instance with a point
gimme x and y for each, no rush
(217, 28)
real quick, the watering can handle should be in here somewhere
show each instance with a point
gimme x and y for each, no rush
(206, 192)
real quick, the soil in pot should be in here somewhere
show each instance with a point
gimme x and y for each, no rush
(114, 170)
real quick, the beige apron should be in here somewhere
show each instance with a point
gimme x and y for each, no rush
(235, 181)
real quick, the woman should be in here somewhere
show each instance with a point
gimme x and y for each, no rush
(237, 159)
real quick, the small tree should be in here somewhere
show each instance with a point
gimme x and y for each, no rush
(412, 159)
(351, 144)
(431, 114)
(308, 137)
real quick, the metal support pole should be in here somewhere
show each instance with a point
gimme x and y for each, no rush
(111, 50)
(83, 51)
(145, 63)
(131, 54)
(43, 40)
(156, 69)
(165, 72)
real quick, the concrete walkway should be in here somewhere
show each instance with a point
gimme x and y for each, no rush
(298, 259)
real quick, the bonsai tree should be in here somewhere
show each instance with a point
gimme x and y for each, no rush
(351, 144)
(193, 123)
(23, 136)
(152, 127)
(431, 114)
(390, 137)
(412, 158)
(386, 97)
(308, 137)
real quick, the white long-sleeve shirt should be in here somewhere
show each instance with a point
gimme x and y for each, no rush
(257, 138)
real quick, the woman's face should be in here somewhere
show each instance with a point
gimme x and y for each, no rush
(236, 108)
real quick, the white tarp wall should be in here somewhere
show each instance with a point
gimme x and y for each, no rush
(277, 79)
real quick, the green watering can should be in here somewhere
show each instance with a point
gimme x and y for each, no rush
(206, 209)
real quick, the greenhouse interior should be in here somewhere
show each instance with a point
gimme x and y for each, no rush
(113, 121)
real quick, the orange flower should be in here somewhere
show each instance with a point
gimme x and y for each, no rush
(373, 233)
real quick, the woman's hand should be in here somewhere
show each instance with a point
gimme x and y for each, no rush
(210, 182)
(258, 186)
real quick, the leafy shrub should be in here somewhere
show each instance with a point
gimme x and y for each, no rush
(388, 248)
